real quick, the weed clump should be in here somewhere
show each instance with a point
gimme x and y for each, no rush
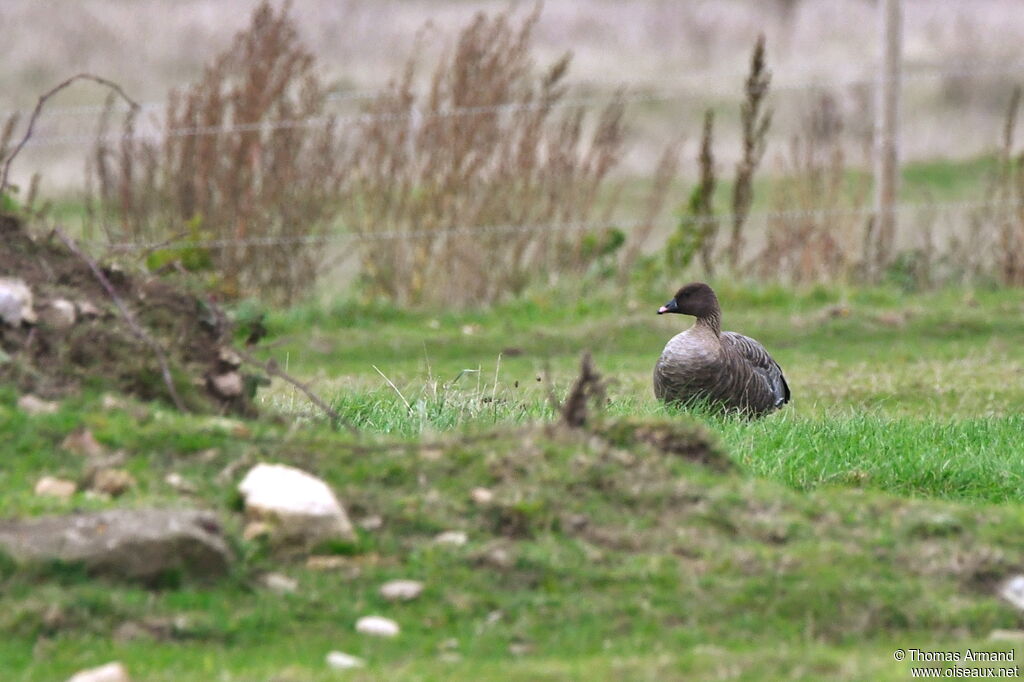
(245, 176)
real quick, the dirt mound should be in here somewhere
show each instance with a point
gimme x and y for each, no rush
(70, 333)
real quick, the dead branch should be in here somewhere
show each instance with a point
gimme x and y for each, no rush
(39, 109)
(273, 369)
(161, 357)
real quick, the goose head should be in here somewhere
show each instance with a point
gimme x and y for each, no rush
(695, 299)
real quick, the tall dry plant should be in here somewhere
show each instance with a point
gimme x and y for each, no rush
(756, 119)
(698, 226)
(247, 166)
(817, 225)
(469, 191)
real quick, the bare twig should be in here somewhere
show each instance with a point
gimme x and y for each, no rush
(273, 369)
(39, 109)
(161, 357)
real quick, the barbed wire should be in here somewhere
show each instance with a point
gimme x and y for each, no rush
(945, 208)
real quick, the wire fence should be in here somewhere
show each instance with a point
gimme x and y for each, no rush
(154, 130)
(907, 208)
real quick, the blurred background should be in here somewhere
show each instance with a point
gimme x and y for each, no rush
(666, 64)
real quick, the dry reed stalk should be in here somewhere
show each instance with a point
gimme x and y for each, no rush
(698, 227)
(756, 118)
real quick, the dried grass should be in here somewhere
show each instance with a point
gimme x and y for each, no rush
(231, 168)
(488, 197)
(818, 225)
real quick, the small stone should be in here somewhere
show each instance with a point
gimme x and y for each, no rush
(497, 557)
(328, 562)
(113, 482)
(520, 648)
(401, 590)
(481, 496)
(1007, 635)
(256, 529)
(111, 672)
(343, 661)
(280, 583)
(470, 329)
(1013, 591)
(82, 442)
(431, 454)
(371, 523)
(88, 310)
(229, 358)
(48, 486)
(60, 314)
(29, 404)
(15, 302)
(179, 483)
(112, 402)
(453, 538)
(377, 626)
(228, 385)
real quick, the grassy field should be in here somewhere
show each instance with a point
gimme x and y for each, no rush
(880, 510)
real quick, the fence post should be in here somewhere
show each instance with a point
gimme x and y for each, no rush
(886, 169)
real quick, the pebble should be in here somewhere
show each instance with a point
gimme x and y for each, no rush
(401, 590)
(82, 442)
(48, 486)
(29, 404)
(343, 661)
(481, 496)
(377, 626)
(1013, 591)
(454, 538)
(280, 583)
(111, 672)
(113, 482)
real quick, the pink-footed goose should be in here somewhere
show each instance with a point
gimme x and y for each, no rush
(724, 368)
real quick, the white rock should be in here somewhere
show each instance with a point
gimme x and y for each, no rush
(15, 302)
(371, 523)
(111, 672)
(481, 496)
(179, 483)
(227, 385)
(1013, 591)
(280, 583)
(301, 507)
(1007, 635)
(30, 404)
(401, 590)
(60, 314)
(343, 661)
(378, 626)
(87, 309)
(55, 487)
(455, 538)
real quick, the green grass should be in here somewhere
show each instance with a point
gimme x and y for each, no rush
(879, 510)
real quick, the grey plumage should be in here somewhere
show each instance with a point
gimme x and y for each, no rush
(726, 368)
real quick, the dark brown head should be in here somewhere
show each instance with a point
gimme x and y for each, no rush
(695, 299)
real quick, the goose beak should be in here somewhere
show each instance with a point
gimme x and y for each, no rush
(669, 307)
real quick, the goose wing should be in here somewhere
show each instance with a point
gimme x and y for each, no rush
(758, 358)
